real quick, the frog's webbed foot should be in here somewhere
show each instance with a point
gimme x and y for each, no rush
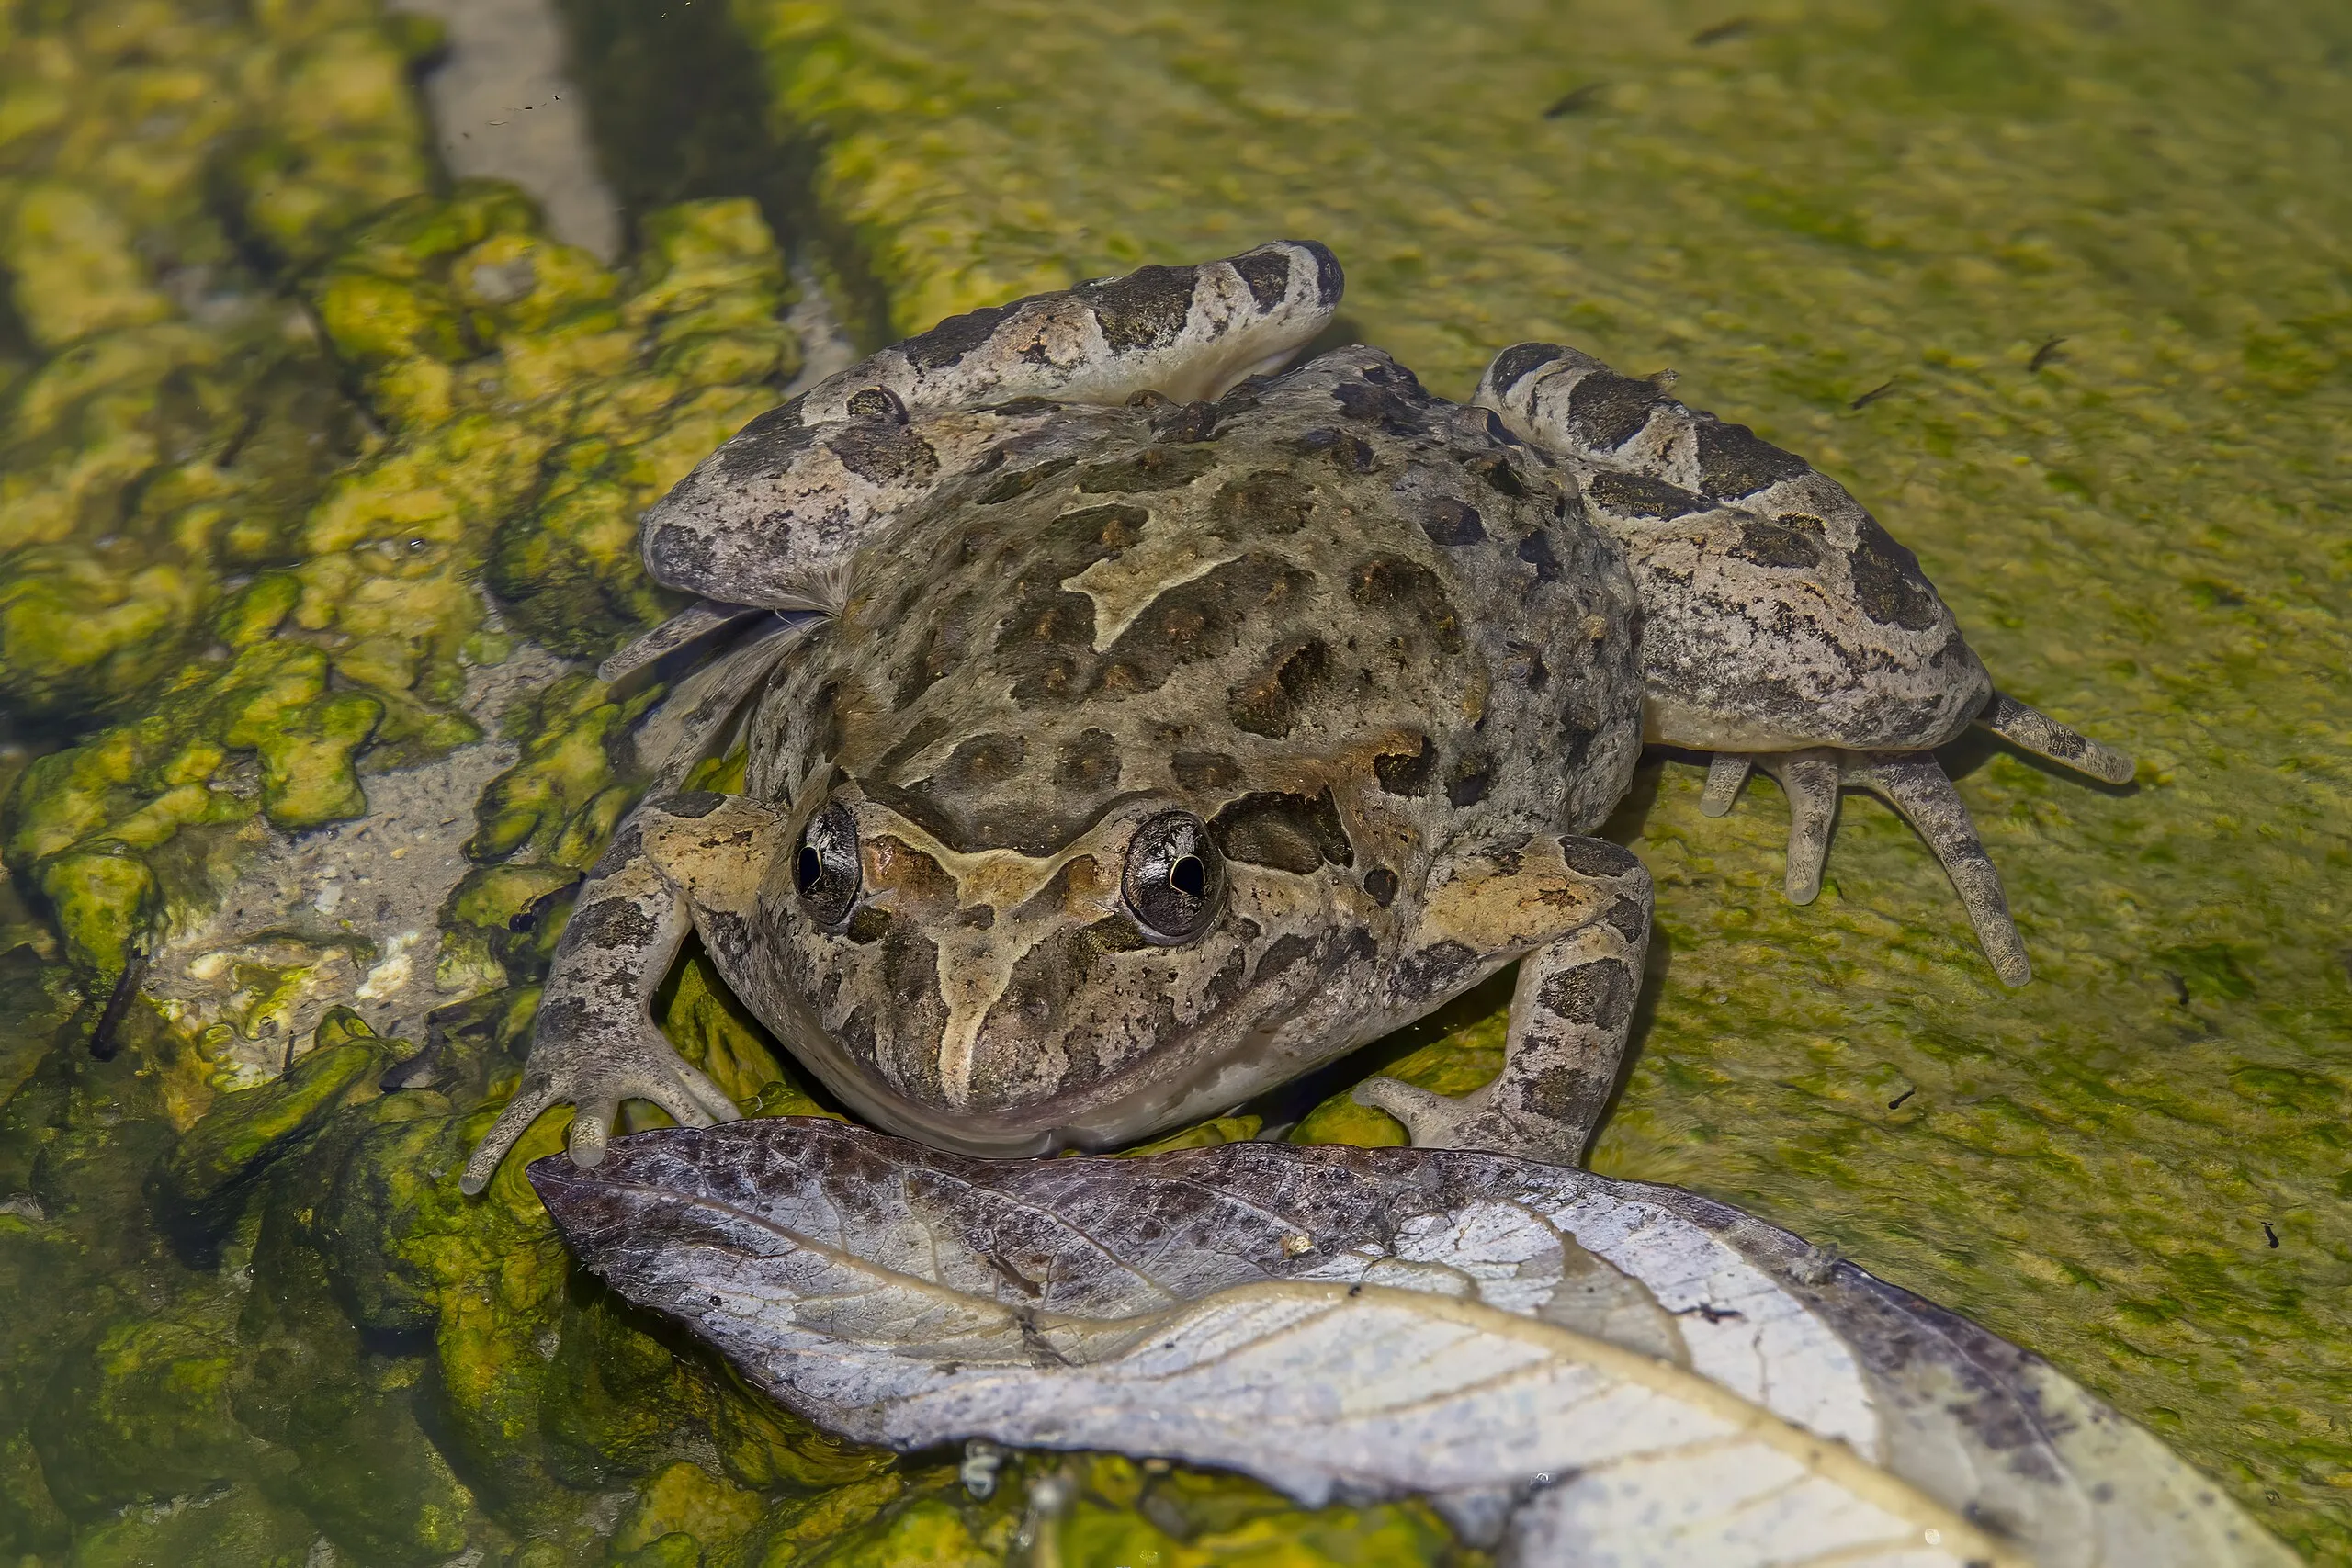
(1571, 1013)
(1915, 783)
(593, 1043)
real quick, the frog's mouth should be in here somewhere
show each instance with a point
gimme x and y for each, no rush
(1098, 1117)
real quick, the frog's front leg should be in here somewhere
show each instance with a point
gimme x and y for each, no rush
(593, 1043)
(1571, 1010)
(770, 520)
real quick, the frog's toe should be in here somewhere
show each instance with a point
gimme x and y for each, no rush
(1726, 771)
(1427, 1116)
(2044, 737)
(538, 1092)
(1473, 1120)
(592, 1131)
(1914, 782)
(1810, 780)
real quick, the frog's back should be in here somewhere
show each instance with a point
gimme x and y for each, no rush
(1331, 581)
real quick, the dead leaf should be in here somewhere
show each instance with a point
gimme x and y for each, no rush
(1592, 1371)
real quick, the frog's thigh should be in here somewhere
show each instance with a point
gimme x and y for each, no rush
(772, 518)
(1571, 1011)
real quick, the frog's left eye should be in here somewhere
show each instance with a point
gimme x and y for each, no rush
(1175, 878)
(824, 868)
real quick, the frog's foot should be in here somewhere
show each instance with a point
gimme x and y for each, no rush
(1473, 1120)
(638, 1066)
(1571, 1012)
(1917, 786)
(593, 1043)
(1915, 783)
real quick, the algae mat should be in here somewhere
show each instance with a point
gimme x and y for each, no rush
(2141, 524)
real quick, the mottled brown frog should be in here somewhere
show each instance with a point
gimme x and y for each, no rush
(1133, 726)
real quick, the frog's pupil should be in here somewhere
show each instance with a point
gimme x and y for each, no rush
(810, 869)
(1189, 877)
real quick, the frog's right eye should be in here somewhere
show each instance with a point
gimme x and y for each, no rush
(1174, 879)
(824, 868)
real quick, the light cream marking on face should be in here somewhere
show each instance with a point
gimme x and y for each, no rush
(1123, 586)
(974, 967)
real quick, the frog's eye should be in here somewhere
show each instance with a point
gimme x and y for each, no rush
(824, 868)
(1175, 878)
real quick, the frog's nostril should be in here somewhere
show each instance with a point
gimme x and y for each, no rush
(1189, 875)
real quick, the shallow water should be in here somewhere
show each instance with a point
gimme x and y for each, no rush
(317, 489)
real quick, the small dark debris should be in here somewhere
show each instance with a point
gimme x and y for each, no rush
(1723, 32)
(1355, 1289)
(1873, 395)
(1573, 100)
(2046, 353)
(427, 1069)
(2272, 1234)
(1897, 1103)
(1710, 1313)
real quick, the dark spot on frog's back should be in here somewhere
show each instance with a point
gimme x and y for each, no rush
(1792, 540)
(1466, 781)
(1537, 551)
(1452, 520)
(1019, 481)
(1348, 454)
(1637, 495)
(1144, 309)
(1732, 462)
(1514, 364)
(883, 454)
(764, 446)
(1199, 620)
(1268, 702)
(951, 339)
(982, 762)
(1296, 833)
(608, 923)
(1597, 857)
(1267, 276)
(1606, 409)
(1268, 501)
(1407, 772)
(1089, 760)
(1391, 410)
(1154, 467)
(1391, 583)
(1199, 770)
(1887, 580)
(1380, 882)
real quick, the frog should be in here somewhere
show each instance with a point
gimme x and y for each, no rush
(1140, 710)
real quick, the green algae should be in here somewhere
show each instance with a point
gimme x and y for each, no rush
(2141, 527)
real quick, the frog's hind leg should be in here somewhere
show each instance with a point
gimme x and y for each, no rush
(1915, 783)
(772, 518)
(2037, 732)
